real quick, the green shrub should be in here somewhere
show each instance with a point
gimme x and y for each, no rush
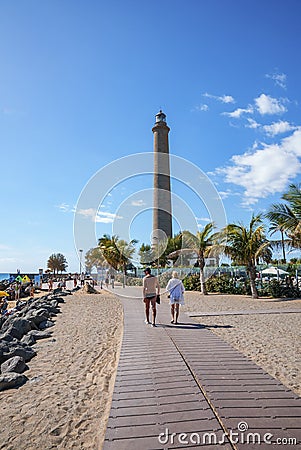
(192, 283)
(223, 284)
(276, 289)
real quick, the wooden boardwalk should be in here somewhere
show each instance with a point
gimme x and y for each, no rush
(181, 386)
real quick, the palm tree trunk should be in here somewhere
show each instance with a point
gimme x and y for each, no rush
(202, 281)
(252, 276)
(202, 275)
(124, 276)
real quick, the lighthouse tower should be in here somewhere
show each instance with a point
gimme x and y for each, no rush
(162, 214)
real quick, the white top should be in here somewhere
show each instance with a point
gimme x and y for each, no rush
(176, 290)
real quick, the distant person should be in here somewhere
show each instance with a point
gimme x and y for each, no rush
(50, 284)
(113, 281)
(31, 290)
(17, 291)
(3, 305)
(75, 281)
(107, 282)
(151, 289)
(176, 290)
(82, 279)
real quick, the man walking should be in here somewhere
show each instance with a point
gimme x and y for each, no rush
(151, 289)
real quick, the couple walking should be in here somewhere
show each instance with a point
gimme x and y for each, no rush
(151, 289)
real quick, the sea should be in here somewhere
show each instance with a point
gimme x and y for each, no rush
(4, 276)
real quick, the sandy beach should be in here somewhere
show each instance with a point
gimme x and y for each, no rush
(271, 340)
(66, 402)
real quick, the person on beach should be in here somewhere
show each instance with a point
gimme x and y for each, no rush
(17, 291)
(31, 290)
(50, 284)
(107, 282)
(75, 281)
(176, 292)
(82, 279)
(151, 289)
(113, 281)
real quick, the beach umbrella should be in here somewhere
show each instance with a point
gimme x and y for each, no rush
(26, 279)
(4, 294)
(274, 271)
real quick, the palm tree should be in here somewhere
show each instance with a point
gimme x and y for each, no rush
(126, 251)
(244, 245)
(145, 253)
(94, 258)
(288, 215)
(57, 262)
(278, 225)
(117, 252)
(203, 245)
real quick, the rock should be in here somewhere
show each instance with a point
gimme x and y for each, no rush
(28, 340)
(39, 334)
(15, 364)
(58, 299)
(46, 324)
(11, 380)
(57, 291)
(88, 289)
(42, 312)
(19, 350)
(17, 327)
(51, 310)
(35, 319)
(54, 303)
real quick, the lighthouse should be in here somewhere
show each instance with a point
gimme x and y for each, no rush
(162, 212)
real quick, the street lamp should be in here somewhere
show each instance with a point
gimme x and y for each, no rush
(80, 260)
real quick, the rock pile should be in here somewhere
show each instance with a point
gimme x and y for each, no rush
(88, 289)
(19, 332)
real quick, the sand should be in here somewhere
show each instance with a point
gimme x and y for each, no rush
(65, 403)
(273, 341)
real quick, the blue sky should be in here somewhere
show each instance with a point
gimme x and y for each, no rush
(81, 82)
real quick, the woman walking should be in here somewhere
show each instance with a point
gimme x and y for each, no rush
(176, 291)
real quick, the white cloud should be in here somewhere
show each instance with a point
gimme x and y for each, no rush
(278, 128)
(239, 111)
(201, 107)
(227, 99)
(64, 207)
(269, 105)
(89, 212)
(278, 78)
(222, 98)
(138, 203)
(203, 219)
(252, 124)
(99, 217)
(106, 217)
(224, 194)
(266, 170)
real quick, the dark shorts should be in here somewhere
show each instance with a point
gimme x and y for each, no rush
(150, 299)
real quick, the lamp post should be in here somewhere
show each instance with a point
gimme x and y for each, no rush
(80, 260)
